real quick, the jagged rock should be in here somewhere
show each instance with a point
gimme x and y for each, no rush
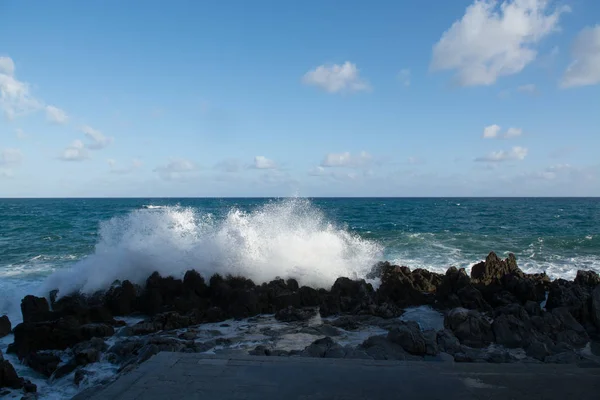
(65, 369)
(52, 335)
(431, 345)
(321, 347)
(308, 297)
(379, 348)
(453, 281)
(409, 336)
(511, 332)
(79, 376)
(472, 299)
(577, 298)
(567, 357)
(292, 314)
(89, 352)
(470, 327)
(398, 286)
(160, 322)
(121, 300)
(538, 350)
(587, 278)
(89, 331)
(5, 326)
(29, 387)
(447, 342)
(533, 308)
(493, 269)
(44, 362)
(8, 376)
(35, 309)
(596, 306)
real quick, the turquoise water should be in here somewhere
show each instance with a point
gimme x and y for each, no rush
(85, 244)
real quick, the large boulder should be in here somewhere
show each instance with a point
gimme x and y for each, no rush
(50, 335)
(325, 347)
(5, 326)
(380, 348)
(576, 298)
(353, 295)
(454, 280)
(45, 362)
(35, 309)
(587, 278)
(409, 336)
(493, 269)
(159, 293)
(511, 332)
(470, 327)
(596, 306)
(121, 299)
(292, 314)
(447, 342)
(8, 376)
(399, 287)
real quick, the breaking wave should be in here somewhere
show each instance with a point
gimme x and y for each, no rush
(287, 238)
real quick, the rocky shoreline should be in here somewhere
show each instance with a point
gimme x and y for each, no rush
(497, 314)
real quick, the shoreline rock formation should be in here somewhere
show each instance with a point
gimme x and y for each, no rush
(497, 314)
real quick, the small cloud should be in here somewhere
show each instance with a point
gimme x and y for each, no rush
(20, 134)
(346, 160)
(495, 39)
(584, 70)
(493, 132)
(76, 151)
(404, 77)
(415, 160)
(317, 171)
(56, 115)
(490, 132)
(115, 169)
(261, 162)
(99, 141)
(528, 89)
(230, 166)
(516, 153)
(336, 78)
(176, 169)
(15, 97)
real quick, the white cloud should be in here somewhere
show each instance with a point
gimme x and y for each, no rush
(99, 141)
(115, 169)
(230, 166)
(336, 78)
(529, 88)
(15, 97)
(516, 153)
(56, 115)
(493, 132)
(20, 134)
(346, 160)
(76, 151)
(176, 169)
(490, 132)
(494, 39)
(404, 77)
(261, 162)
(513, 132)
(585, 68)
(317, 171)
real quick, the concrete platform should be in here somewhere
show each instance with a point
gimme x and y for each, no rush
(193, 376)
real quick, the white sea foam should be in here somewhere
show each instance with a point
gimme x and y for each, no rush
(288, 238)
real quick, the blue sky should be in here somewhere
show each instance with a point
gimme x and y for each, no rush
(312, 98)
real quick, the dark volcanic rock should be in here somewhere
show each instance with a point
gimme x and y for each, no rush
(325, 347)
(121, 300)
(292, 314)
(380, 348)
(576, 297)
(587, 278)
(409, 336)
(8, 376)
(447, 342)
(53, 335)
(35, 309)
(399, 286)
(493, 269)
(44, 362)
(89, 331)
(5, 326)
(596, 307)
(470, 327)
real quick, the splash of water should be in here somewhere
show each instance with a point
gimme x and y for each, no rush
(288, 238)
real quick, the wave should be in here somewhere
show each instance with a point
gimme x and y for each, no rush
(152, 207)
(286, 238)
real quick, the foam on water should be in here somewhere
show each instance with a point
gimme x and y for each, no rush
(288, 238)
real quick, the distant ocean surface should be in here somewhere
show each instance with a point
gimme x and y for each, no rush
(86, 244)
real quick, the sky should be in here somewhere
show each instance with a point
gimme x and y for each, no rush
(287, 98)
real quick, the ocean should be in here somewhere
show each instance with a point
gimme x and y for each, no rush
(87, 244)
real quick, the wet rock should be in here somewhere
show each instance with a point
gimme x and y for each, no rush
(8, 376)
(89, 331)
(431, 345)
(321, 347)
(453, 281)
(409, 336)
(398, 286)
(308, 297)
(493, 269)
(35, 309)
(160, 322)
(159, 294)
(533, 308)
(29, 387)
(538, 350)
(470, 327)
(347, 323)
(44, 362)
(54, 335)
(596, 307)
(511, 332)
(325, 330)
(587, 278)
(379, 348)
(472, 299)
(89, 352)
(215, 314)
(121, 300)
(65, 369)
(5, 326)
(353, 295)
(447, 342)
(575, 297)
(194, 283)
(79, 376)
(292, 314)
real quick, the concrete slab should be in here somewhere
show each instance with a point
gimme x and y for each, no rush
(193, 376)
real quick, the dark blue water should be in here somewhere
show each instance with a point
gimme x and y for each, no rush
(87, 243)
